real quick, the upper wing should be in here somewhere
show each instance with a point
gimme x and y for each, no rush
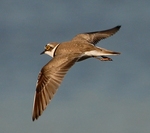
(49, 80)
(95, 37)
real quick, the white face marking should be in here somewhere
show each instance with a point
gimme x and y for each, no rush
(51, 53)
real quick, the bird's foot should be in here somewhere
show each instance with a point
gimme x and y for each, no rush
(103, 58)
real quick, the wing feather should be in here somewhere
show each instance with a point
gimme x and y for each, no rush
(49, 80)
(95, 37)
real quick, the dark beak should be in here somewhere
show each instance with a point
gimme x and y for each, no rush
(42, 52)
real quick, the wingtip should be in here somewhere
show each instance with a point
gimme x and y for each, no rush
(118, 26)
(33, 119)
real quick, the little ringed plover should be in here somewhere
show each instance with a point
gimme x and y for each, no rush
(64, 56)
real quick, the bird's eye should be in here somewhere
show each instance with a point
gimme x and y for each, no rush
(47, 47)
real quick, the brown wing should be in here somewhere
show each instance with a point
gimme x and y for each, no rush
(95, 37)
(49, 80)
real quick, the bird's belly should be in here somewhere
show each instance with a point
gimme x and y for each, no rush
(88, 54)
(92, 53)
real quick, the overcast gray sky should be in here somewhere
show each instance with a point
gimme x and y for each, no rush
(105, 97)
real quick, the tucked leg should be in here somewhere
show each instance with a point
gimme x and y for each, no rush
(103, 58)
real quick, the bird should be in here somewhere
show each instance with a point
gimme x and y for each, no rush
(64, 56)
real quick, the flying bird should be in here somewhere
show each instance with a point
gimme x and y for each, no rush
(64, 56)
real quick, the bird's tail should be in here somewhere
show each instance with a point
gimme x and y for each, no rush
(103, 51)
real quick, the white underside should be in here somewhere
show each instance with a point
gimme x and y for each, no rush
(95, 53)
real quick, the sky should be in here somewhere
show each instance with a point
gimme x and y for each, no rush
(94, 96)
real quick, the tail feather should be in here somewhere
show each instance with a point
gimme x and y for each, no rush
(100, 52)
(108, 52)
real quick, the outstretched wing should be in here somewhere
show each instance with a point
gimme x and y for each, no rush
(49, 80)
(95, 37)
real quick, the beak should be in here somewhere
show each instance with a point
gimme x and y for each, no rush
(42, 52)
